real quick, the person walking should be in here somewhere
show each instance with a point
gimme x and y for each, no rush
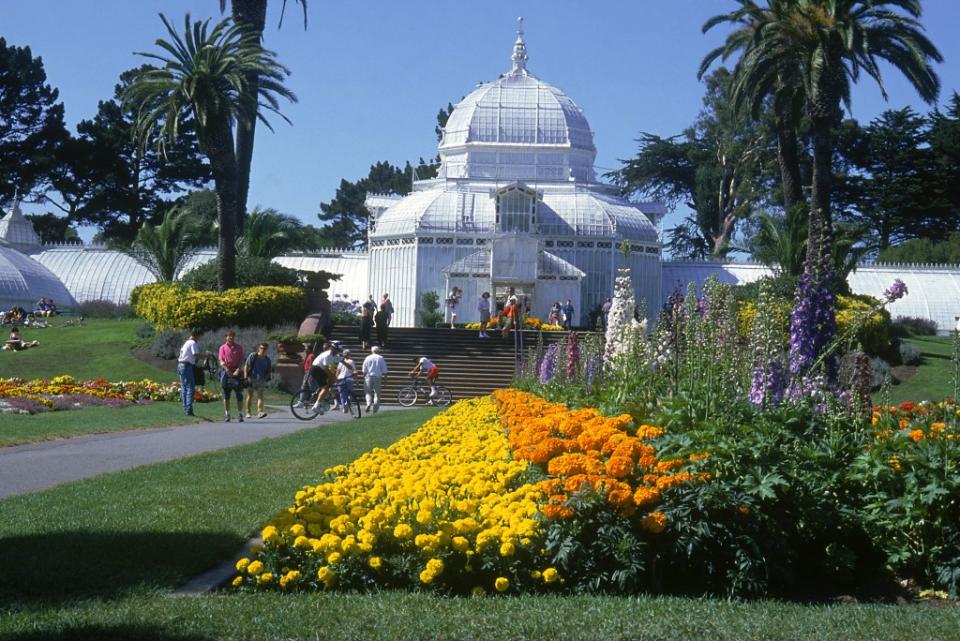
(483, 306)
(567, 311)
(256, 370)
(345, 370)
(554, 317)
(186, 361)
(382, 319)
(388, 305)
(230, 357)
(374, 373)
(307, 381)
(366, 321)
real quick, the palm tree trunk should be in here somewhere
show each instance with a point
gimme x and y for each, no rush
(217, 144)
(252, 14)
(789, 159)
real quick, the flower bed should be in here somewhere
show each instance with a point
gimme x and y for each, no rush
(462, 507)
(65, 393)
(530, 322)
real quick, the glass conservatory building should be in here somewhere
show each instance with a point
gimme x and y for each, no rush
(516, 205)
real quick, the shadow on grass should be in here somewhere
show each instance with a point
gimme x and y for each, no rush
(63, 566)
(120, 632)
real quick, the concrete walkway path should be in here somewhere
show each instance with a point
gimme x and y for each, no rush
(38, 466)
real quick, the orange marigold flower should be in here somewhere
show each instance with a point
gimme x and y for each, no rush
(655, 522)
(916, 436)
(646, 496)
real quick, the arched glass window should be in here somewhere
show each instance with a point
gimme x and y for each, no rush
(516, 211)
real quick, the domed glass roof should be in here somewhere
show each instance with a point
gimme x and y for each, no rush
(517, 127)
(24, 280)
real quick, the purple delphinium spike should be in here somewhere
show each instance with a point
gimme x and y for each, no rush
(813, 320)
(548, 365)
(573, 355)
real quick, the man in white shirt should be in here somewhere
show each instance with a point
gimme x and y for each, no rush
(324, 372)
(374, 373)
(483, 306)
(189, 353)
(426, 366)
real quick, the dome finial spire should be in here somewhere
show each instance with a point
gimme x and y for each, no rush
(519, 56)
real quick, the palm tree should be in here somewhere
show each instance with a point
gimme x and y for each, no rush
(203, 74)
(823, 46)
(251, 14)
(268, 234)
(754, 83)
(166, 248)
(780, 242)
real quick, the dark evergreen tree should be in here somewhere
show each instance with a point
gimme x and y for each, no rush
(345, 217)
(31, 123)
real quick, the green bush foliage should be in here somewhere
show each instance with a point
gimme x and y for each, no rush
(172, 306)
(251, 272)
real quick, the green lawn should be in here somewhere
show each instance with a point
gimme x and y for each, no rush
(932, 380)
(99, 349)
(98, 559)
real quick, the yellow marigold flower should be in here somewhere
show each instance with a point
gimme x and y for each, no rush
(402, 531)
(535, 575)
(460, 544)
(502, 584)
(424, 518)
(507, 549)
(265, 578)
(655, 522)
(435, 566)
(255, 568)
(270, 534)
(550, 575)
(237, 582)
(426, 577)
(375, 562)
(242, 564)
(297, 530)
(334, 557)
(327, 576)
(302, 543)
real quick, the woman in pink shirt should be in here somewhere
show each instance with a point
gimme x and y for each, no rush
(231, 374)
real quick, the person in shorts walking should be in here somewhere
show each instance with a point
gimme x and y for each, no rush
(483, 306)
(230, 356)
(256, 370)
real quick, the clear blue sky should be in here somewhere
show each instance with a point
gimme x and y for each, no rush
(371, 75)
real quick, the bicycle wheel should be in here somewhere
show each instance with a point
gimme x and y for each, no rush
(443, 397)
(407, 396)
(305, 411)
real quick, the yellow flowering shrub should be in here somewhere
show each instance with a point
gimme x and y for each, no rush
(168, 305)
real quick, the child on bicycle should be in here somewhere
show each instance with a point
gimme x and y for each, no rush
(432, 372)
(345, 371)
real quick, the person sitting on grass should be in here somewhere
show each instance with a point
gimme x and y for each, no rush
(15, 343)
(256, 370)
(426, 366)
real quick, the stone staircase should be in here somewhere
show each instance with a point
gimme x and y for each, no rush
(470, 366)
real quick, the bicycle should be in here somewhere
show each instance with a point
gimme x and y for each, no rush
(409, 394)
(309, 410)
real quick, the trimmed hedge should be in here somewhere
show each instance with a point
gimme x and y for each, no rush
(172, 306)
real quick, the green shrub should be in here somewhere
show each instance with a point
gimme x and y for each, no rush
(251, 272)
(430, 314)
(171, 306)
